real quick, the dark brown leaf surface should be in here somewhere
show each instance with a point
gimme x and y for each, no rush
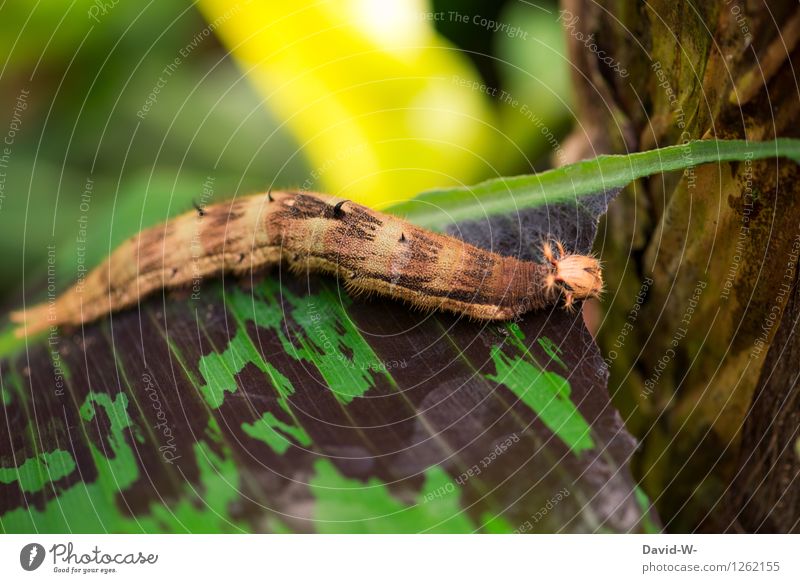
(286, 405)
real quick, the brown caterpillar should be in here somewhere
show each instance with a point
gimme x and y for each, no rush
(369, 250)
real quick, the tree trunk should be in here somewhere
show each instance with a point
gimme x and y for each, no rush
(700, 316)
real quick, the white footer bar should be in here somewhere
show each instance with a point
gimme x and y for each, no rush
(389, 558)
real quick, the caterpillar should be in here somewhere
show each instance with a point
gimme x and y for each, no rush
(368, 250)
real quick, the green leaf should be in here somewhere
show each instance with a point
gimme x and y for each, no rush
(436, 209)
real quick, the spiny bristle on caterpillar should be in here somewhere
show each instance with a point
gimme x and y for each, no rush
(373, 253)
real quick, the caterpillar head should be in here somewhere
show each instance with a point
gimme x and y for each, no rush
(576, 276)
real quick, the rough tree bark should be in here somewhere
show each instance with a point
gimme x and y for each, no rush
(700, 318)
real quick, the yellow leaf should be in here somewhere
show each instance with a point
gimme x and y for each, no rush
(374, 96)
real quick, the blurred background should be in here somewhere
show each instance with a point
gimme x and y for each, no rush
(115, 115)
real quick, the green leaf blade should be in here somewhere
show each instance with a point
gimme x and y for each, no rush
(435, 209)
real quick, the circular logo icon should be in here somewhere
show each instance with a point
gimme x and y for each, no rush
(31, 556)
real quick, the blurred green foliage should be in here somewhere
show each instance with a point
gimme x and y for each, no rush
(113, 139)
(87, 81)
